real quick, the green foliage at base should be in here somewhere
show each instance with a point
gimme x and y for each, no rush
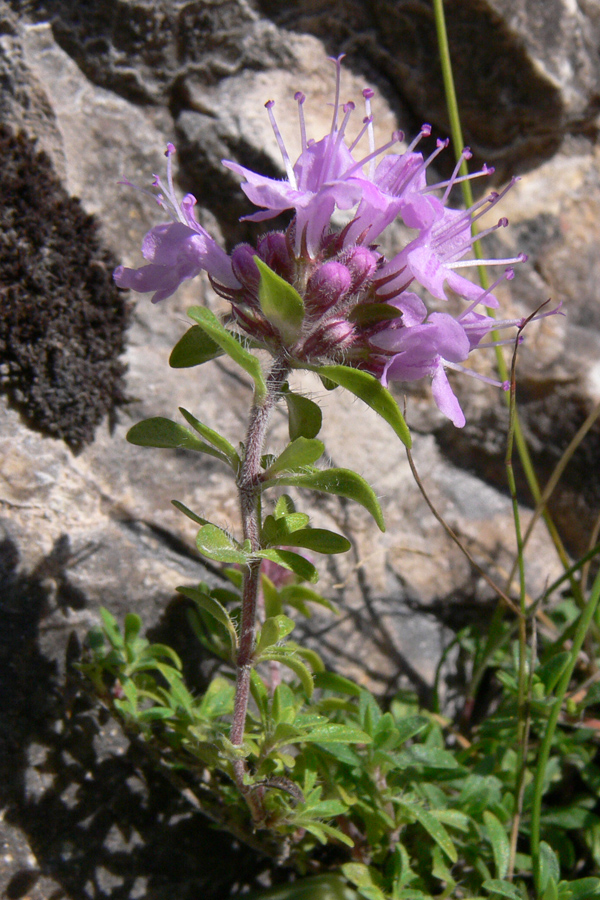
(412, 808)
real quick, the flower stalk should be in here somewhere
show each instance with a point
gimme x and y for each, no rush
(249, 490)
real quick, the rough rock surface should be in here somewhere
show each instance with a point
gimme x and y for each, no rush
(103, 86)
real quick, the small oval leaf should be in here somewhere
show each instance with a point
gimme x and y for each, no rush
(305, 416)
(433, 828)
(499, 841)
(231, 345)
(318, 539)
(212, 607)
(165, 434)
(275, 629)
(297, 667)
(281, 303)
(368, 389)
(213, 437)
(297, 456)
(193, 349)
(216, 544)
(343, 482)
(292, 561)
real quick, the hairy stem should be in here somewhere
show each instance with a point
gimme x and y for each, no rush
(249, 489)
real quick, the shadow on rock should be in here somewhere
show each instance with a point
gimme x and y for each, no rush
(97, 819)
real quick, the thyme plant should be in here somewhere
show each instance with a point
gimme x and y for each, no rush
(285, 763)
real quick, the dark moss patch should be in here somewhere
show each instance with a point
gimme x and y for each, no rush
(62, 320)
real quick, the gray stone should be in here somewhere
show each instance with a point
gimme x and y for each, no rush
(104, 86)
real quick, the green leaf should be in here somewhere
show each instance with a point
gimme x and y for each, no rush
(297, 595)
(368, 389)
(188, 512)
(499, 841)
(502, 888)
(260, 693)
(284, 506)
(274, 630)
(218, 699)
(272, 600)
(328, 384)
(275, 528)
(111, 629)
(360, 875)
(289, 531)
(161, 651)
(193, 349)
(297, 456)
(330, 681)
(373, 313)
(432, 757)
(305, 416)
(212, 607)
(551, 671)
(231, 346)
(549, 867)
(281, 303)
(318, 539)
(290, 560)
(322, 832)
(163, 433)
(410, 726)
(213, 437)
(337, 734)
(434, 828)
(293, 663)
(216, 544)
(133, 625)
(343, 482)
(582, 888)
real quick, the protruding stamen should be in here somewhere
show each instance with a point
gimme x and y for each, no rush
(440, 145)
(505, 385)
(424, 132)
(486, 345)
(368, 94)
(464, 156)
(299, 97)
(486, 170)
(284, 154)
(337, 61)
(332, 149)
(397, 136)
(367, 121)
(169, 153)
(506, 276)
(464, 263)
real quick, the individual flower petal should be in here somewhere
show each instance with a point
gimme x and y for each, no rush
(177, 253)
(445, 397)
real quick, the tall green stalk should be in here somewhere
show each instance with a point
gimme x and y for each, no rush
(583, 625)
(458, 144)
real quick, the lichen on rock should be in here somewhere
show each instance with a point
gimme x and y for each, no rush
(62, 321)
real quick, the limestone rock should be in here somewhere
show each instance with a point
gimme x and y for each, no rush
(103, 86)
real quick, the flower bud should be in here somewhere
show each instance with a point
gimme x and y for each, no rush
(244, 267)
(362, 264)
(273, 249)
(326, 286)
(336, 334)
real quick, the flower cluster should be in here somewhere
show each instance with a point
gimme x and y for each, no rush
(359, 308)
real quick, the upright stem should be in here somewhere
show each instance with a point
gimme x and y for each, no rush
(249, 489)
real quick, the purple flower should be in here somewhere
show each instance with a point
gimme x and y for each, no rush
(436, 254)
(178, 250)
(424, 346)
(324, 176)
(342, 278)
